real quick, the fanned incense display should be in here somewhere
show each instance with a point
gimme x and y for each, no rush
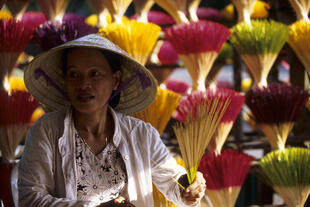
(299, 40)
(101, 11)
(275, 109)
(258, 45)
(14, 37)
(33, 19)
(159, 112)
(230, 115)
(192, 6)
(176, 8)
(54, 33)
(53, 9)
(17, 84)
(136, 38)
(198, 45)
(244, 8)
(117, 8)
(5, 15)
(224, 175)
(142, 9)
(167, 54)
(15, 114)
(17, 7)
(201, 113)
(288, 172)
(302, 8)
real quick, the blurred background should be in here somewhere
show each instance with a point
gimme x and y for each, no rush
(229, 70)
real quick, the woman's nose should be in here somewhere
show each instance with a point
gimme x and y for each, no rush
(84, 83)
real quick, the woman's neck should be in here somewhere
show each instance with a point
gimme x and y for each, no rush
(95, 124)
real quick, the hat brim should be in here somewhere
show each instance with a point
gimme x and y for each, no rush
(49, 88)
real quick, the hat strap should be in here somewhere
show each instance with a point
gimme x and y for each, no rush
(145, 83)
(39, 72)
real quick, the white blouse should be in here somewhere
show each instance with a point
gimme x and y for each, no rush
(48, 174)
(101, 177)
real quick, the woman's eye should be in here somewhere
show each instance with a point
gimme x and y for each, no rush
(95, 74)
(73, 75)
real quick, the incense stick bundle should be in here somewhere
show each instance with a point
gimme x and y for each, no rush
(38, 112)
(102, 21)
(14, 37)
(167, 54)
(5, 14)
(54, 33)
(142, 9)
(160, 200)
(302, 8)
(72, 17)
(299, 40)
(17, 84)
(176, 8)
(101, 11)
(47, 35)
(201, 113)
(192, 6)
(226, 123)
(33, 19)
(259, 45)
(224, 56)
(275, 109)
(92, 20)
(53, 9)
(73, 29)
(209, 14)
(117, 8)
(288, 172)
(177, 86)
(244, 8)
(17, 7)
(224, 175)
(260, 9)
(98, 6)
(16, 110)
(136, 38)
(159, 112)
(160, 18)
(198, 45)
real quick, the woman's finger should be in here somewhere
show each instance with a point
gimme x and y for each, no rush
(119, 199)
(197, 193)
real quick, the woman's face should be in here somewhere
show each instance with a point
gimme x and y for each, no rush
(89, 79)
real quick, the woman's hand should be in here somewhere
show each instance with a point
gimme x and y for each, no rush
(194, 192)
(117, 202)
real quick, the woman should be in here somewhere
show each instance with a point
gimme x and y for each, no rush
(87, 153)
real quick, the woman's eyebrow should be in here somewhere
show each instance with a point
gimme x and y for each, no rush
(71, 66)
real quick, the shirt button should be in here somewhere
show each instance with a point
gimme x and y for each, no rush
(126, 157)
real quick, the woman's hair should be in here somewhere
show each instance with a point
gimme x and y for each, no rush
(114, 60)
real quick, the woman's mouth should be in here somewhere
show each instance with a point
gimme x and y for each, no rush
(85, 98)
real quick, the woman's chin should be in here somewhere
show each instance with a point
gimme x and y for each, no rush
(87, 108)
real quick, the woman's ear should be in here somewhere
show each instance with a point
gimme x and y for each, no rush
(116, 79)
